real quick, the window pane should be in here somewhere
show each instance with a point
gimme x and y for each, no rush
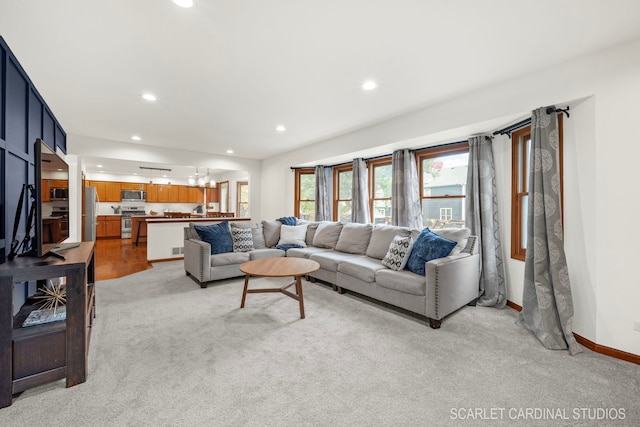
(382, 181)
(308, 211)
(344, 185)
(443, 213)
(382, 211)
(445, 176)
(344, 211)
(307, 187)
(525, 211)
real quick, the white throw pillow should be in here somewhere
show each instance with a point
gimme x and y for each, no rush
(293, 235)
(398, 253)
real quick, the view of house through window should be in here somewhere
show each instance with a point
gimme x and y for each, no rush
(443, 181)
(305, 197)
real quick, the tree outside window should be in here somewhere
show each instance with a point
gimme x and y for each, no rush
(305, 198)
(380, 182)
(343, 179)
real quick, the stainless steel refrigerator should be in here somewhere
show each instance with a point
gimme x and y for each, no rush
(90, 213)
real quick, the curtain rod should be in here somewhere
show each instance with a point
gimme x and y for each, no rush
(526, 122)
(366, 159)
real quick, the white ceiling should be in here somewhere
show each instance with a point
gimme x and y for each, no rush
(226, 72)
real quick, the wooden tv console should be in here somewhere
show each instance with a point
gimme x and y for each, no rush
(39, 354)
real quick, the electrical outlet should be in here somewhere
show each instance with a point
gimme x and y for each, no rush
(636, 326)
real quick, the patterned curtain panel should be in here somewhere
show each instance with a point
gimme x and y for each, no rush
(547, 306)
(482, 219)
(324, 208)
(405, 196)
(360, 193)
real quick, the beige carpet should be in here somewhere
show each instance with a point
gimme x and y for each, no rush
(165, 352)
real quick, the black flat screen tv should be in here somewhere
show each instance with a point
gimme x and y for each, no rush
(51, 216)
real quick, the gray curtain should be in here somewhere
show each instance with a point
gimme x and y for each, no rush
(405, 197)
(360, 193)
(324, 199)
(547, 306)
(482, 219)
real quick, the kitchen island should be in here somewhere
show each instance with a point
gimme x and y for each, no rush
(165, 236)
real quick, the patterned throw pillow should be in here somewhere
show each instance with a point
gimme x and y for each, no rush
(242, 239)
(398, 254)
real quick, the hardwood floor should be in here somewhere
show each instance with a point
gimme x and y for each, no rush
(119, 257)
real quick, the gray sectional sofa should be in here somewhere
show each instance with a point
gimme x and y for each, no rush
(351, 258)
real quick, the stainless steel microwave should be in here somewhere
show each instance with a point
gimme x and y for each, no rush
(59, 194)
(134, 196)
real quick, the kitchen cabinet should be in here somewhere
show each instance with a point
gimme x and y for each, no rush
(108, 226)
(101, 189)
(183, 193)
(196, 195)
(132, 186)
(59, 183)
(213, 195)
(46, 187)
(113, 192)
(152, 193)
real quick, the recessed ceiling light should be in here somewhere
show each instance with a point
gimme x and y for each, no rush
(99, 166)
(280, 128)
(149, 97)
(136, 138)
(229, 151)
(369, 85)
(184, 3)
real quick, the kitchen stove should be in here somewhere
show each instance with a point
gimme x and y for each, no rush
(127, 213)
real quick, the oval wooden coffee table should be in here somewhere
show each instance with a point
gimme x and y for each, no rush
(278, 267)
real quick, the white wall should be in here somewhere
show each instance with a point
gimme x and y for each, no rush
(601, 149)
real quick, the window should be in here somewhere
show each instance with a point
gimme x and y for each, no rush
(305, 194)
(242, 199)
(380, 180)
(342, 180)
(520, 154)
(443, 182)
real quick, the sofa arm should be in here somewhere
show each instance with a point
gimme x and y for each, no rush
(451, 282)
(197, 254)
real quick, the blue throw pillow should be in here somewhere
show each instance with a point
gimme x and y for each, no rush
(428, 246)
(216, 235)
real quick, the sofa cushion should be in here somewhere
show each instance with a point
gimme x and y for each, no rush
(229, 258)
(305, 252)
(271, 232)
(458, 235)
(381, 238)
(354, 238)
(217, 235)
(293, 235)
(242, 239)
(329, 260)
(191, 233)
(402, 281)
(327, 234)
(428, 246)
(312, 227)
(398, 254)
(363, 268)
(266, 253)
